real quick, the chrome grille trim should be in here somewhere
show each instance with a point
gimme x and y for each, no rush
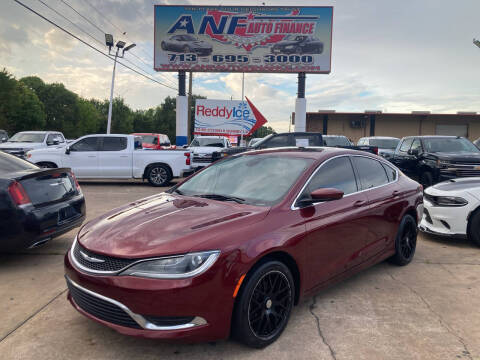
(139, 319)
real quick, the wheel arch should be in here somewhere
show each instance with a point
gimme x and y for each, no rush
(469, 217)
(287, 260)
(55, 165)
(147, 169)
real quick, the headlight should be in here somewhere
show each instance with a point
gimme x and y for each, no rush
(443, 163)
(174, 267)
(452, 201)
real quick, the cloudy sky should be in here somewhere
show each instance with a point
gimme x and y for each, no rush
(395, 56)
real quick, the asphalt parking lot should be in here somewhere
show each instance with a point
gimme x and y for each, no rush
(427, 310)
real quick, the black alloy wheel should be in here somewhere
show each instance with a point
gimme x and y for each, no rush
(264, 305)
(405, 242)
(474, 227)
(159, 175)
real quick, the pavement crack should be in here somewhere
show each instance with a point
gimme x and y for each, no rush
(312, 306)
(442, 322)
(33, 315)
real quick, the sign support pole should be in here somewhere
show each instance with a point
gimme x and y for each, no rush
(301, 105)
(191, 125)
(181, 111)
(243, 102)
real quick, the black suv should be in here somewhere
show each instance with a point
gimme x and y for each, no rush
(300, 139)
(431, 159)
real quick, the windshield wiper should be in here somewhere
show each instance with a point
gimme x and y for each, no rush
(221, 197)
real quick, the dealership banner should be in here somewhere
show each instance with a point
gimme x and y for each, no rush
(226, 117)
(243, 39)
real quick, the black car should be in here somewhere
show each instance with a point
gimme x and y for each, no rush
(36, 204)
(300, 139)
(432, 159)
(301, 44)
(186, 44)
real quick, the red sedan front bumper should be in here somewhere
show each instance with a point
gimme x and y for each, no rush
(128, 304)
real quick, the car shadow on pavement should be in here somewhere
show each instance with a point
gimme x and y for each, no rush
(449, 240)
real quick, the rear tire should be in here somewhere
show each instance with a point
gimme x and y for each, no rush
(264, 305)
(405, 242)
(474, 228)
(159, 175)
(426, 179)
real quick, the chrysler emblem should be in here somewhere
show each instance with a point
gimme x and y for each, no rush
(90, 258)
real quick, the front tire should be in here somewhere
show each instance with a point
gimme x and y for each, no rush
(405, 242)
(159, 175)
(474, 228)
(264, 305)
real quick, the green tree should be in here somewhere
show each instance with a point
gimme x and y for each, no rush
(263, 131)
(7, 88)
(60, 108)
(20, 107)
(164, 118)
(34, 83)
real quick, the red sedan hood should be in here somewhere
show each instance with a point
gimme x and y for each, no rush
(165, 224)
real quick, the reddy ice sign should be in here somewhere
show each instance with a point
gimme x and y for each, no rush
(226, 117)
(243, 39)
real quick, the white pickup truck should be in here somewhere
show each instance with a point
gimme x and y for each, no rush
(112, 156)
(204, 146)
(24, 141)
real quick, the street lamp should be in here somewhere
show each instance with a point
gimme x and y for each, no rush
(476, 42)
(119, 45)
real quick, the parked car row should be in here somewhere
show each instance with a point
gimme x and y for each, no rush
(243, 240)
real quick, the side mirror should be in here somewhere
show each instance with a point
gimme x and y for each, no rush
(413, 152)
(326, 194)
(185, 146)
(4, 139)
(323, 194)
(67, 150)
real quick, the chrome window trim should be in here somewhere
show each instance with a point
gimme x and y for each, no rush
(293, 207)
(139, 319)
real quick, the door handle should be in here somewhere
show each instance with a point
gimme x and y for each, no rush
(92, 156)
(359, 203)
(396, 193)
(124, 156)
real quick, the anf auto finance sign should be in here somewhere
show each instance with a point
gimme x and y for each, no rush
(243, 39)
(226, 117)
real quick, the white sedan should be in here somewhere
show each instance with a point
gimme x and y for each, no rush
(452, 208)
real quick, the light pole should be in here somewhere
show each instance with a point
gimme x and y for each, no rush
(120, 45)
(476, 42)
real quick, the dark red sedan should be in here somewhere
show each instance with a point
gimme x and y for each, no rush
(234, 247)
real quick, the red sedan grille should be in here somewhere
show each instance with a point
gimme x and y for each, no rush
(101, 309)
(105, 263)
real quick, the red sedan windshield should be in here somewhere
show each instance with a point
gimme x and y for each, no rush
(258, 180)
